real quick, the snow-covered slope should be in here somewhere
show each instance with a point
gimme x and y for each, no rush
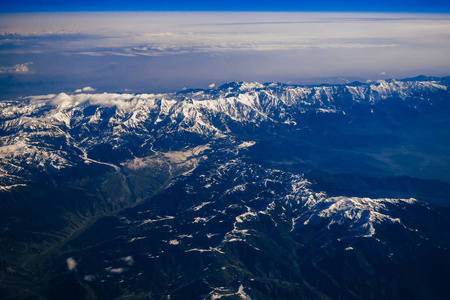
(58, 131)
(231, 227)
(247, 190)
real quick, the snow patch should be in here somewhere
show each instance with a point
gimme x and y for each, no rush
(128, 259)
(246, 144)
(157, 220)
(71, 264)
(199, 207)
(115, 270)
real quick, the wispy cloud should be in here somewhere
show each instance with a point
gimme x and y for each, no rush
(19, 68)
(156, 34)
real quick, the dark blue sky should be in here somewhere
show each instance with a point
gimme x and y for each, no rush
(430, 6)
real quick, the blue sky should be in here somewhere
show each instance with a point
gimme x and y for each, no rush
(431, 6)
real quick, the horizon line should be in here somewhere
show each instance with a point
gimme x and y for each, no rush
(229, 11)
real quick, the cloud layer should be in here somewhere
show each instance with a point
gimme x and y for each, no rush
(19, 68)
(155, 34)
(161, 52)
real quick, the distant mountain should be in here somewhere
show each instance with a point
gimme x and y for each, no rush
(244, 191)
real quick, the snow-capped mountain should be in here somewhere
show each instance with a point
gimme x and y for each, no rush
(49, 132)
(244, 191)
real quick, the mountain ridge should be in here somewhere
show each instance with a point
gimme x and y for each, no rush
(135, 194)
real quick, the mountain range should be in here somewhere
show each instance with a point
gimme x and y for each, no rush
(241, 191)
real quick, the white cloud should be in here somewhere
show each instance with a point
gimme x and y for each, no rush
(121, 101)
(71, 263)
(85, 89)
(63, 99)
(212, 85)
(155, 34)
(19, 68)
